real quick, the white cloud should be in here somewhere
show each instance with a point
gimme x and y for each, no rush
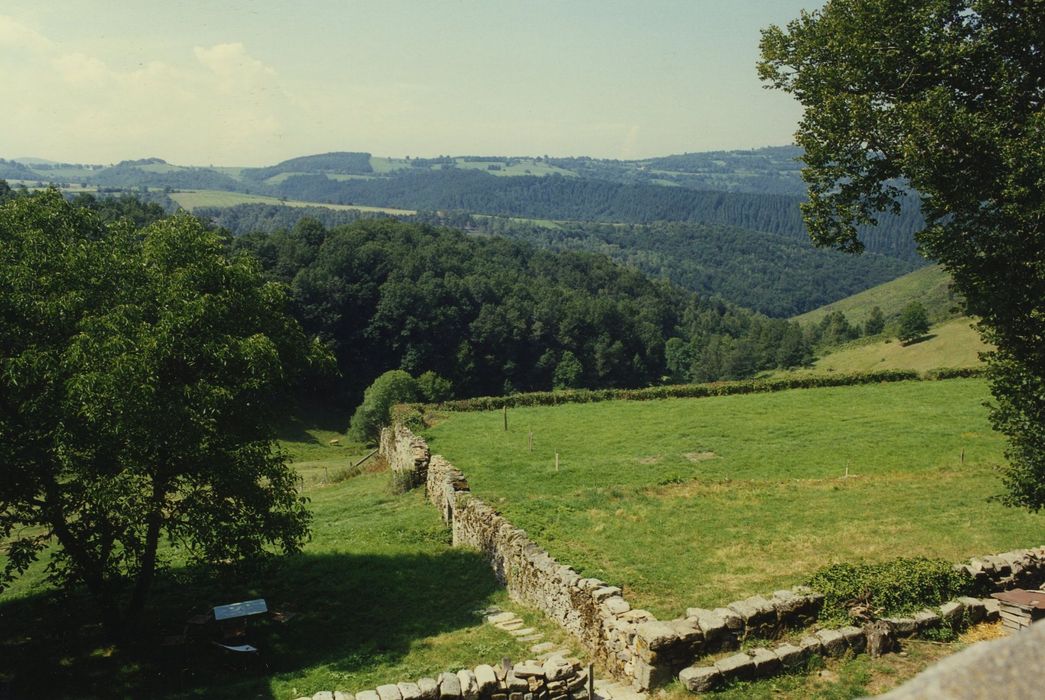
(78, 69)
(14, 34)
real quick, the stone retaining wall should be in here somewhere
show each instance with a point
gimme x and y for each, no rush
(557, 678)
(632, 644)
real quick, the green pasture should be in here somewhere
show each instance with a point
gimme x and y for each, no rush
(194, 199)
(379, 596)
(687, 502)
(930, 286)
(953, 343)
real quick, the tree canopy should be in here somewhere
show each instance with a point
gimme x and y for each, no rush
(140, 372)
(945, 98)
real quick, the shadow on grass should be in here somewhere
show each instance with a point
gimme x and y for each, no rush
(919, 339)
(354, 613)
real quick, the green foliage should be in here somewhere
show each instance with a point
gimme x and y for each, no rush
(433, 388)
(944, 97)
(140, 375)
(568, 372)
(913, 323)
(751, 386)
(892, 587)
(875, 322)
(393, 387)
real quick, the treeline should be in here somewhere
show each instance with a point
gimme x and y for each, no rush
(774, 275)
(496, 316)
(581, 199)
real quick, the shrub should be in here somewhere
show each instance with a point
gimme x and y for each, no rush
(392, 387)
(888, 588)
(914, 323)
(433, 387)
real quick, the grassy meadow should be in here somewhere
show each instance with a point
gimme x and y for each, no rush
(953, 343)
(687, 502)
(379, 596)
(194, 199)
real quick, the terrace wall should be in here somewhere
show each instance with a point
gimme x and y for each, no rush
(632, 644)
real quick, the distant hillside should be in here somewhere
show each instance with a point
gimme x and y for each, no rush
(341, 162)
(929, 285)
(154, 172)
(13, 170)
(953, 343)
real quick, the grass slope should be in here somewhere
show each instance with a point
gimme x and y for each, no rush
(929, 285)
(194, 199)
(953, 343)
(702, 501)
(380, 594)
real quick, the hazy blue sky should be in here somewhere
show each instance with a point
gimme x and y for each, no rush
(250, 83)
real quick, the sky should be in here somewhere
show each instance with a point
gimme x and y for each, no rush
(253, 83)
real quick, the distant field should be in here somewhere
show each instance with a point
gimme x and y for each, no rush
(194, 199)
(702, 501)
(929, 285)
(953, 343)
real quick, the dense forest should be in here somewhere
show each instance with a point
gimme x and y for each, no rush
(775, 275)
(495, 316)
(577, 199)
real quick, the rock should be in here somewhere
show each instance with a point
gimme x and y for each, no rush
(429, 688)
(655, 635)
(700, 679)
(638, 616)
(500, 617)
(991, 610)
(389, 692)
(711, 624)
(902, 626)
(323, 695)
(737, 667)
(649, 676)
(556, 668)
(485, 679)
(514, 684)
(734, 622)
(974, 609)
(542, 647)
(758, 614)
(811, 645)
(616, 605)
(952, 613)
(832, 641)
(449, 686)
(600, 594)
(925, 619)
(523, 632)
(766, 662)
(688, 630)
(409, 691)
(338, 695)
(367, 695)
(528, 669)
(790, 656)
(854, 638)
(469, 687)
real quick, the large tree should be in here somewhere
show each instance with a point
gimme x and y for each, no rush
(140, 372)
(943, 98)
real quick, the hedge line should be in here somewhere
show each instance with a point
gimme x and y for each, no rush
(745, 386)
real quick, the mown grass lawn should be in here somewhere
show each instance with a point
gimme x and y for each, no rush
(380, 597)
(687, 502)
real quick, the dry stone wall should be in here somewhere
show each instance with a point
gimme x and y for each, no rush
(632, 644)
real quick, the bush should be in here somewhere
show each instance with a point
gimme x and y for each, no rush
(914, 323)
(890, 588)
(391, 388)
(433, 387)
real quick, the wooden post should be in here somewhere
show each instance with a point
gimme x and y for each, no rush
(963, 455)
(591, 681)
(529, 441)
(506, 417)
(556, 461)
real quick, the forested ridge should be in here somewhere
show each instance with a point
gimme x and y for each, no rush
(496, 316)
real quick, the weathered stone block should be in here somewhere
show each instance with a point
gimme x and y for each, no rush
(338, 695)
(556, 668)
(902, 626)
(811, 645)
(926, 619)
(974, 609)
(688, 631)
(991, 610)
(367, 695)
(832, 641)
(766, 662)
(485, 679)
(790, 656)
(449, 686)
(616, 605)
(700, 679)
(409, 691)
(734, 622)
(654, 635)
(601, 594)
(758, 614)
(854, 638)
(429, 688)
(638, 616)
(648, 676)
(737, 667)
(389, 692)
(528, 669)
(952, 613)
(323, 695)
(712, 625)
(514, 683)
